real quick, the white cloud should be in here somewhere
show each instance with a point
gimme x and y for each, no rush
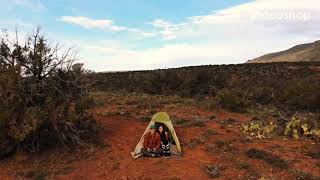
(166, 29)
(88, 23)
(110, 51)
(104, 24)
(260, 15)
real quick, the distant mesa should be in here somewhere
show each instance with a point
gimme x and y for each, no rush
(301, 53)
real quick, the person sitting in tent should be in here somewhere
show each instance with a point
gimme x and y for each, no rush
(163, 119)
(165, 146)
(152, 143)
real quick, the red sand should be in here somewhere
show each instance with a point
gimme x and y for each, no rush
(122, 134)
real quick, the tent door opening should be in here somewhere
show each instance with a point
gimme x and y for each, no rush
(166, 129)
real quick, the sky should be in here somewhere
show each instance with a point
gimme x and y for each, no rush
(152, 34)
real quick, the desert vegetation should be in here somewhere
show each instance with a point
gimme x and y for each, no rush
(286, 86)
(44, 95)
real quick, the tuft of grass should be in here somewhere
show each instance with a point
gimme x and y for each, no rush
(64, 171)
(212, 117)
(243, 165)
(229, 121)
(301, 175)
(197, 123)
(314, 155)
(225, 145)
(36, 175)
(180, 121)
(101, 144)
(209, 133)
(202, 138)
(220, 143)
(271, 159)
(116, 113)
(253, 175)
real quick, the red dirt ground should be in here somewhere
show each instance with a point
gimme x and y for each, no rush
(113, 161)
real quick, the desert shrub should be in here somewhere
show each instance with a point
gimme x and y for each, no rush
(314, 154)
(302, 95)
(170, 82)
(152, 84)
(286, 86)
(232, 100)
(230, 122)
(262, 95)
(44, 95)
(180, 121)
(196, 123)
(36, 175)
(273, 160)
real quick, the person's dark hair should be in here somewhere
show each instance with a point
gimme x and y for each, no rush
(158, 131)
(164, 130)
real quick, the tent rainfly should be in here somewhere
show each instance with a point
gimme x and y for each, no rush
(160, 118)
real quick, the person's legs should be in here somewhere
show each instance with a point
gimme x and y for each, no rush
(163, 148)
(167, 150)
(145, 152)
(158, 152)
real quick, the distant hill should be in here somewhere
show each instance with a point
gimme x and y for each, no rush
(305, 52)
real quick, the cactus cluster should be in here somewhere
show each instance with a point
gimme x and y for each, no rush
(258, 129)
(298, 127)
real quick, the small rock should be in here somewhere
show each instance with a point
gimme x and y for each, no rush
(213, 171)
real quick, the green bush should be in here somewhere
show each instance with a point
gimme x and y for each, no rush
(44, 96)
(262, 95)
(232, 100)
(302, 95)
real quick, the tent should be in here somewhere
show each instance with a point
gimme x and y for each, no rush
(160, 118)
